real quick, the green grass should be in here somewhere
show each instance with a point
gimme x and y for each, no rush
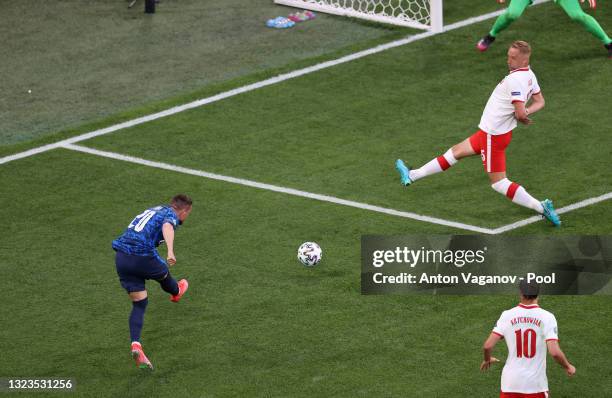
(84, 60)
(255, 322)
(89, 61)
(339, 130)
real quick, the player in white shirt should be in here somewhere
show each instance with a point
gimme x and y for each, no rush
(530, 332)
(508, 104)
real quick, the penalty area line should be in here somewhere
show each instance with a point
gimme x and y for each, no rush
(276, 188)
(566, 209)
(253, 86)
(332, 199)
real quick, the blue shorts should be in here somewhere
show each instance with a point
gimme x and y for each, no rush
(134, 270)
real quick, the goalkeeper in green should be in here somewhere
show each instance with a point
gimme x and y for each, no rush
(571, 7)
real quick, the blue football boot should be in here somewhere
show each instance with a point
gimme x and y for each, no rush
(549, 212)
(404, 172)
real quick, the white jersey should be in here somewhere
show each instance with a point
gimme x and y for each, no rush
(526, 329)
(498, 115)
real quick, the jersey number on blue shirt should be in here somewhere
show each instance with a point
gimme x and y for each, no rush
(144, 218)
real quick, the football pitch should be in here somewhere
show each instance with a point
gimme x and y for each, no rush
(307, 158)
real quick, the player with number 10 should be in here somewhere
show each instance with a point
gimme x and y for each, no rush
(530, 332)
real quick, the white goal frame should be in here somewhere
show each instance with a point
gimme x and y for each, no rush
(435, 23)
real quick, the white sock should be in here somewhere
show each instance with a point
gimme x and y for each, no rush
(523, 198)
(434, 166)
(517, 194)
(501, 186)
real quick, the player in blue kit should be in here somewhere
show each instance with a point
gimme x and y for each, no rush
(137, 260)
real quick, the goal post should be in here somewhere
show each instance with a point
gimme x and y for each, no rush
(419, 14)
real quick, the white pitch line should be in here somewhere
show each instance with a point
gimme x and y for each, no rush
(276, 188)
(251, 87)
(332, 199)
(566, 209)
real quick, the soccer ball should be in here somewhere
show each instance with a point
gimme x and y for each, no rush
(309, 254)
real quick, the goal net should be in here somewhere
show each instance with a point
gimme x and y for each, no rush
(420, 14)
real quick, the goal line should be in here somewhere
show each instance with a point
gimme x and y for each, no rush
(418, 14)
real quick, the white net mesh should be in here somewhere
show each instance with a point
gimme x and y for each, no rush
(402, 12)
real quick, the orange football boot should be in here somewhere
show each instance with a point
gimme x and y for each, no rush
(183, 286)
(139, 356)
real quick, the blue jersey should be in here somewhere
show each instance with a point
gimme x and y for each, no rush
(144, 233)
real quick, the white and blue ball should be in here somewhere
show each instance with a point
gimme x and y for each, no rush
(310, 254)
